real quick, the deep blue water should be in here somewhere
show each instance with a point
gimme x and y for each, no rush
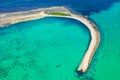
(85, 7)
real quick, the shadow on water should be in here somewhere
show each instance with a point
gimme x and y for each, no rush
(86, 7)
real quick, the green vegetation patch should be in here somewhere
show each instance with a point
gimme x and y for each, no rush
(58, 13)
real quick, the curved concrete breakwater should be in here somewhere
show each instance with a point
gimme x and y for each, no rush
(15, 17)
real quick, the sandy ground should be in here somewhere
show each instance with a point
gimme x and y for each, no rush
(15, 17)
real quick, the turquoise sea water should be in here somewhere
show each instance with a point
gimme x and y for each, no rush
(45, 49)
(108, 65)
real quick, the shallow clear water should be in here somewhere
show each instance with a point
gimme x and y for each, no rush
(46, 58)
(108, 65)
(46, 49)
